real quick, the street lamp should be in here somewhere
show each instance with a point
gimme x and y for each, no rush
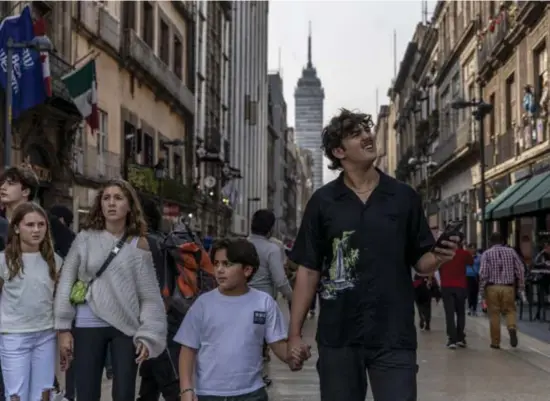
(39, 43)
(248, 202)
(481, 110)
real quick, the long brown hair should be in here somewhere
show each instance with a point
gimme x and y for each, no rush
(135, 221)
(14, 258)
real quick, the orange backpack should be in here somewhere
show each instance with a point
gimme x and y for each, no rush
(193, 267)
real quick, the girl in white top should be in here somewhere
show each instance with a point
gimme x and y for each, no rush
(28, 275)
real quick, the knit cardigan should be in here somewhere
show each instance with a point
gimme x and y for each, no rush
(126, 295)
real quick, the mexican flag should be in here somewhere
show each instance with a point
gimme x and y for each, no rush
(82, 86)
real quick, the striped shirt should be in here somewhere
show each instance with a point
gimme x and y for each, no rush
(501, 265)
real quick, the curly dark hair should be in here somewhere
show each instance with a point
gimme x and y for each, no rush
(136, 225)
(340, 127)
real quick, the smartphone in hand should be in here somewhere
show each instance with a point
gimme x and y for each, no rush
(451, 230)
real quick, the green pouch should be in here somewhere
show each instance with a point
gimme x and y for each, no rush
(78, 292)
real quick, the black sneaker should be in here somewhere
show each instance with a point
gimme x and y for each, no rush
(495, 346)
(451, 345)
(422, 325)
(461, 344)
(513, 337)
(427, 327)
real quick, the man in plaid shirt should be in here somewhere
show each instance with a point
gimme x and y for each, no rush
(501, 269)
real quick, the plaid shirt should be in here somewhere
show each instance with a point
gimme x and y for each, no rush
(500, 265)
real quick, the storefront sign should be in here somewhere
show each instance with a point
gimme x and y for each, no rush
(521, 174)
(541, 166)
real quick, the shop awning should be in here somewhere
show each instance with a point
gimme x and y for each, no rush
(545, 201)
(501, 198)
(505, 208)
(532, 201)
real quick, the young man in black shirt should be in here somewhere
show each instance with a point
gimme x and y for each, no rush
(359, 237)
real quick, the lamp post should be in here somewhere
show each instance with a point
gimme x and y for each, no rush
(248, 202)
(160, 173)
(481, 110)
(39, 43)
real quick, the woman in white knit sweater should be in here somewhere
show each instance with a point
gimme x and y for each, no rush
(122, 307)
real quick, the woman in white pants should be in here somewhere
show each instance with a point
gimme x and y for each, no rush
(28, 275)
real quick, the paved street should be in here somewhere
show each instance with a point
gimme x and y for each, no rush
(474, 374)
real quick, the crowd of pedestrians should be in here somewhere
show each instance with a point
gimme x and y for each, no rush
(114, 289)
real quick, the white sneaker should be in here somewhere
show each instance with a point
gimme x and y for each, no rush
(57, 396)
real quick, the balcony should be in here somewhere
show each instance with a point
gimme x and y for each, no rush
(90, 165)
(445, 150)
(99, 24)
(143, 179)
(138, 54)
(492, 43)
(58, 69)
(466, 134)
(505, 146)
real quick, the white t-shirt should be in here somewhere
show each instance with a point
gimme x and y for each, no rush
(229, 334)
(26, 304)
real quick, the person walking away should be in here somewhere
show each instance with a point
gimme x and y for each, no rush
(229, 325)
(472, 277)
(425, 289)
(109, 288)
(454, 292)
(159, 376)
(358, 239)
(271, 276)
(500, 272)
(28, 273)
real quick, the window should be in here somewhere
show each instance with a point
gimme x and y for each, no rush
(510, 102)
(178, 57)
(102, 135)
(178, 168)
(129, 15)
(148, 150)
(147, 23)
(164, 45)
(492, 118)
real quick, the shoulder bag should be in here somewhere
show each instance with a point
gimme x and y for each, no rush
(80, 288)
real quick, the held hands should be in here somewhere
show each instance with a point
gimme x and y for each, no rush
(297, 352)
(142, 352)
(65, 349)
(447, 252)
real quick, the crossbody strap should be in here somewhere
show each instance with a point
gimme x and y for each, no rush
(111, 256)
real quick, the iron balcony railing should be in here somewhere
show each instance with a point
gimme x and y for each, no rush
(505, 146)
(89, 164)
(58, 69)
(492, 40)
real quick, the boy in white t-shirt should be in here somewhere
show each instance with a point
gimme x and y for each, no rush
(223, 332)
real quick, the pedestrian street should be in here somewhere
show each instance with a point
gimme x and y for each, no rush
(477, 373)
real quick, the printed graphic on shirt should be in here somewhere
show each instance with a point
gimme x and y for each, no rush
(259, 317)
(341, 272)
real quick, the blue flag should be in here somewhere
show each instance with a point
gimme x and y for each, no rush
(28, 88)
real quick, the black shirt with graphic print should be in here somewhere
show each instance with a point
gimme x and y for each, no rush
(364, 252)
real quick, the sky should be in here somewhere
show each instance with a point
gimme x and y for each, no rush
(352, 48)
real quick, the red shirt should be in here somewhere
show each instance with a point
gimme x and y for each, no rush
(453, 273)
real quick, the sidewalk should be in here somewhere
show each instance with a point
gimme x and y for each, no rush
(477, 373)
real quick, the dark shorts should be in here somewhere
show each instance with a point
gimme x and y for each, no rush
(258, 395)
(343, 374)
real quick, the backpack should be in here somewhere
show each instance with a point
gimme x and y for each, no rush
(192, 267)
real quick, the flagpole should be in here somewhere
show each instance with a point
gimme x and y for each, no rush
(9, 101)
(91, 52)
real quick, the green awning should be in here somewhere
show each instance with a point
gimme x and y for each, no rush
(505, 208)
(531, 202)
(501, 198)
(545, 201)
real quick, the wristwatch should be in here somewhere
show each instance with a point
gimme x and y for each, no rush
(187, 390)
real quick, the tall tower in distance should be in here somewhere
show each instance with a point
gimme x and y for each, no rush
(309, 98)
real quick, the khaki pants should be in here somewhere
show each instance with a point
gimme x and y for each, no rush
(501, 300)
